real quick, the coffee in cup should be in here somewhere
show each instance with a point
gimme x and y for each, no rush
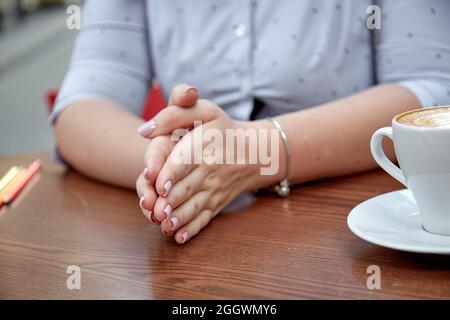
(431, 118)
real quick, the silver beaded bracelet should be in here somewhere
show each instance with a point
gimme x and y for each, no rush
(282, 189)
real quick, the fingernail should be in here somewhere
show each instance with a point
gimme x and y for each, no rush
(145, 172)
(167, 187)
(175, 222)
(151, 217)
(168, 210)
(190, 89)
(147, 128)
(184, 237)
(141, 202)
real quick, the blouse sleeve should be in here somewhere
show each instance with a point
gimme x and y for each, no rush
(111, 58)
(413, 48)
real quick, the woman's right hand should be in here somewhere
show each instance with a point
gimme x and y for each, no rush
(158, 149)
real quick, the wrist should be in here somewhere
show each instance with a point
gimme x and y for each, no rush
(270, 167)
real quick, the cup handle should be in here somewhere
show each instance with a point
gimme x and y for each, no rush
(378, 154)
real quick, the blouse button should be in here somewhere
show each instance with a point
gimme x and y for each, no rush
(240, 30)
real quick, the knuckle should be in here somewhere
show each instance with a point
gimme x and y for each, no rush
(164, 175)
(154, 157)
(196, 206)
(174, 198)
(212, 178)
(172, 114)
(215, 200)
(188, 189)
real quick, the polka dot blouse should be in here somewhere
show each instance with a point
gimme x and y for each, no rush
(290, 55)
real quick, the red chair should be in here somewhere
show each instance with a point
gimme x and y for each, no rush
(155, 101)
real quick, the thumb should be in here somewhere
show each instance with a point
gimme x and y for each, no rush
(183, 95)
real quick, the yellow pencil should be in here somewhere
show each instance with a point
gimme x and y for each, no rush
(9, 176)
(11, 185)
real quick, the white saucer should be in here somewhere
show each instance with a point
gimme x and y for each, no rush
(392, 220)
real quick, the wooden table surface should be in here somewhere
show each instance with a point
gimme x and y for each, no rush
(293, 248)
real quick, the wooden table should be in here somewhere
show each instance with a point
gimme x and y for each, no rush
(293, 248)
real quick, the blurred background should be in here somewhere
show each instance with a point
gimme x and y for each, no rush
(35, 48)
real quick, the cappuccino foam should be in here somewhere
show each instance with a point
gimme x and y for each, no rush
(431, 118)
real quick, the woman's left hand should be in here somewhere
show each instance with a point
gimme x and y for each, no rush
(193, 189)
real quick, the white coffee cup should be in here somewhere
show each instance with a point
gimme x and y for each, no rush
(424, 157)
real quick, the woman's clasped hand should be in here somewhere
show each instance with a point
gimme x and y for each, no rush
(192, 170)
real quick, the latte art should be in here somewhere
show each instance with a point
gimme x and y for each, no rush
(432, 118)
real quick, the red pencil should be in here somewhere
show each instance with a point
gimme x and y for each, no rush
(29, 173)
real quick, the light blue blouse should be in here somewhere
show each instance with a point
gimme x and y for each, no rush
(289, 54)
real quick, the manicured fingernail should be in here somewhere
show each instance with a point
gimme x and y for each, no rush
(191, 89)
(147, 128)
(175, 222)
(184, 237)
(145, 172)
(141, 202)
(168, 210)
(167, 187)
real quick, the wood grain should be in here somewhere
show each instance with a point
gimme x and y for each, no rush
(293, 248)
